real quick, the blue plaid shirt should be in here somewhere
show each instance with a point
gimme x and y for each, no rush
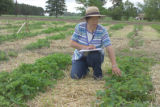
(100, 38)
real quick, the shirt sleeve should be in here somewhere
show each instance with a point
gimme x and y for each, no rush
(75, 34)
(106, 39)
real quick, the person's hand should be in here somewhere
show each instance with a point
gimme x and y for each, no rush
(116, 71)
(90, 47)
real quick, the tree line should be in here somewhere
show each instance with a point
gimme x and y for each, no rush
(119, 9)
(10, 7)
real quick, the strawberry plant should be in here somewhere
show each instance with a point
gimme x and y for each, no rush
(26, 81)
(39, 44)
(117, 26)
(133, 88)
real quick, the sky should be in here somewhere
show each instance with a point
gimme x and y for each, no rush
(71, 4)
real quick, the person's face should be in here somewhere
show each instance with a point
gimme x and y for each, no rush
(93, 20)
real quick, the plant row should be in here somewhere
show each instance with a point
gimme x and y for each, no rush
(6, 55)
(40, 43)
(156, 27)
(134, 38)
(133, 88)
(117, 26)
(26, 81)
(24, 35)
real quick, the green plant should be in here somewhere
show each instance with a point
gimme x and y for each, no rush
(26, 81)
(117, 26)
(135, 39)
(56, 29)
(133, 88)
(56, 37)
(105, 24)
(156, 27)
(39, 44)
(12, 53)
(16, 36)
(58, 22)
(3, 56)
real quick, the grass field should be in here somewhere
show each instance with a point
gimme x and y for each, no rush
(35, 67)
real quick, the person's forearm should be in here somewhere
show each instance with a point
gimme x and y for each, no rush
(77, 45)
(111, 55)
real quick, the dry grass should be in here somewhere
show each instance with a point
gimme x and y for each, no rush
(156, 82)
(149, 33)
(72, 93)
(122, 33)
(25, 57)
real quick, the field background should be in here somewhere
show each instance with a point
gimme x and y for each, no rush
(50, 35)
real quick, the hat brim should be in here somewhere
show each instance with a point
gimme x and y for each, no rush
(94, 15)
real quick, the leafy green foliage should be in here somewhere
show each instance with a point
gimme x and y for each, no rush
(12, 53)
(27, 80)
(135, 39)
(58, 22)
(58, 36)
(6, 6)
(133, 88)
(117, 26)
(105, 24)
(151, 9)
(45, 42)
(129, 10)
(16, 36)
(86, 3)
(56, 29)
(55, 7)
(3, 56)
(36, 25)
(39, 44)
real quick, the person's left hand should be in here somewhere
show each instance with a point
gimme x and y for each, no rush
(116, 71)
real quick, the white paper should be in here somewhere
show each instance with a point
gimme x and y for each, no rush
(88, 50)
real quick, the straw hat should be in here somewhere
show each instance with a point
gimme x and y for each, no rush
(92, 11)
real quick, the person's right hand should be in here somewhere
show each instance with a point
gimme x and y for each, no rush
(90, 47)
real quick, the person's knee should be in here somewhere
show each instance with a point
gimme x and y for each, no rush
(75, 76)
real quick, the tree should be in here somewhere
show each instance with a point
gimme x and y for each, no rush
(86, 3)
(151, 8)
(129, 10)
(116, 11)
(6, 6)
(55, 7)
